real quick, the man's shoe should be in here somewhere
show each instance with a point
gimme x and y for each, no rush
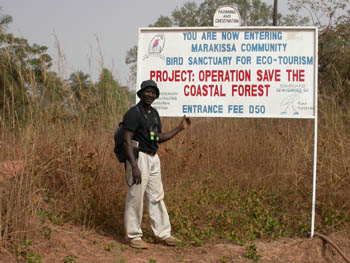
(138, 243)
(171, 241)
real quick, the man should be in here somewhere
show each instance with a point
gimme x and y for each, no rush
(142, 128)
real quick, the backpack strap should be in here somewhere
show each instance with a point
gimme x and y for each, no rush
(154, 113)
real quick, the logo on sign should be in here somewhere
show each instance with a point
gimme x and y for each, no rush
(156, 46)
(288, 104)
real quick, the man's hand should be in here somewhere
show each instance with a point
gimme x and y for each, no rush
(128, 147)
(136, 175)
(185, 122)
(163, 137)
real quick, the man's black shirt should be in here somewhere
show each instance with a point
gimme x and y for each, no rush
(141, 122)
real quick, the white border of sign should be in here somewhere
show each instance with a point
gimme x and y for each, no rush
(154, 46)
(315, 140)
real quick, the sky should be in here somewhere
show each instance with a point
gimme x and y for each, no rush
(90, 34)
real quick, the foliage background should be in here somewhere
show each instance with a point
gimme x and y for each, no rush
(225, 180)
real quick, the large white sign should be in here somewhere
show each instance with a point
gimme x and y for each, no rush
(239, 72)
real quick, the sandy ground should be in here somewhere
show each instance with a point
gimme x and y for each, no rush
(70, 244)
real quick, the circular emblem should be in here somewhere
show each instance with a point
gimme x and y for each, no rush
(227, 16)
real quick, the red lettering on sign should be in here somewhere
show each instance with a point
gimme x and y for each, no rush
(250, 90)
(171, 76)
(269, 75)
(204, 90)
(296, 75)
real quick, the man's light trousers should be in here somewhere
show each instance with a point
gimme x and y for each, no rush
(152, 188)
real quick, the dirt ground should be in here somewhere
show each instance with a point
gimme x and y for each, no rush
(68, 244)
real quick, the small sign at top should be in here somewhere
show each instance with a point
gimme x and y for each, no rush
(227, 16)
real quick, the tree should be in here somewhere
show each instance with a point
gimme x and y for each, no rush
(293, 20)
(253, 12)
(5, 20)
(186, 15)
(114, 97)
(332, 19)
(80, 84)
(23, 69)
(131, 60)
(323, 13)
(163, 21)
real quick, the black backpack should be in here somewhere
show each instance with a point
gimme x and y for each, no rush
(118, 143)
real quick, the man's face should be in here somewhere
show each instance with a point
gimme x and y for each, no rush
(148, 95)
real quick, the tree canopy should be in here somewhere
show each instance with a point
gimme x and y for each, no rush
(23, 67)
(252, 12)
(26, 81)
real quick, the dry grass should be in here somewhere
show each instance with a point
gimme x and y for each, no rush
(232, 179)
